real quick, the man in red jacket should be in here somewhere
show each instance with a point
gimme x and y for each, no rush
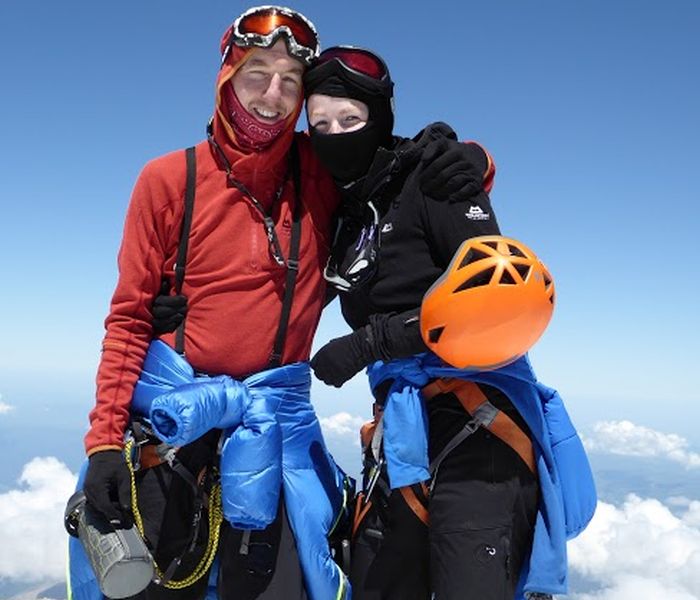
(238, 252)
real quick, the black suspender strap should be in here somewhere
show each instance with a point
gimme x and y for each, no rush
(181, 260)
(292, 262)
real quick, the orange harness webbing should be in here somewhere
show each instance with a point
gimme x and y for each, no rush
(502, 426)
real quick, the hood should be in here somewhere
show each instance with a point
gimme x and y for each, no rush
(260, 171)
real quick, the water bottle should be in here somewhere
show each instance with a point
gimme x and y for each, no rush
(122, 564)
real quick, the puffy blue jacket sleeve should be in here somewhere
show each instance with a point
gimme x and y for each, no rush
(185, 414)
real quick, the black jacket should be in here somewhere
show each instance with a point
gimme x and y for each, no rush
(418, 238)
(418, 235)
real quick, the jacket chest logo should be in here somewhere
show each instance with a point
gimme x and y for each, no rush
(476, 214)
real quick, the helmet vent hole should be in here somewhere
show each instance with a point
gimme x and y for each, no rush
(478, 280)
(547, 280)
(507, 278)
(523, 270)
(434, 334)
(551, 297)
(493, 245)
(472, 256)
(515, 251)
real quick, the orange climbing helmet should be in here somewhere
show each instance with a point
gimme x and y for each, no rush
(491, 305)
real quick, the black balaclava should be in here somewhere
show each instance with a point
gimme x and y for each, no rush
(348, 156)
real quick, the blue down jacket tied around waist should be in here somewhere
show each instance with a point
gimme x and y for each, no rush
(567, 490)
(272, 440)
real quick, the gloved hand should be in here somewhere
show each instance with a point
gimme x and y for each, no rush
(343, 357)
(452, 170)
(107, 487)
(385, 337)
(168, 313)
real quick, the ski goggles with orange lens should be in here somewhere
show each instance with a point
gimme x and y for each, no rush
(262, 26)
(360, 66)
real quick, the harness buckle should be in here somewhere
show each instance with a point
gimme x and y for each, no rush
(472, 425)
(166, 453)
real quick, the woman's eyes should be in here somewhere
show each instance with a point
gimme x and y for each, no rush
(320, 124)
(344, 121)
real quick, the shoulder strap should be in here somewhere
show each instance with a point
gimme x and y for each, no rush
(181, 260)
(292, 262)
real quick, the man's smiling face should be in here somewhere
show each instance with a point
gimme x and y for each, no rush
(269, 83)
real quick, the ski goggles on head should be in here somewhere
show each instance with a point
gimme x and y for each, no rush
(361, 66)
(353, 260)
(262, 26)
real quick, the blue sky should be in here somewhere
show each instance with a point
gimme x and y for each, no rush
(589, 108)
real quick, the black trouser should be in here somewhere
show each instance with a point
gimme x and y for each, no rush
(480, 533)
(265, 567)
(390, 552)
(482, 509)
(482, 513)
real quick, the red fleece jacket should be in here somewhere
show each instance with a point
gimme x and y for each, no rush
(233, 285)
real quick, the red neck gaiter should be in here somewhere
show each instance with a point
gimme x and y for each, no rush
(251, 134)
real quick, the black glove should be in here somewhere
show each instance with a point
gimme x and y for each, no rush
(107, 487)
(343, 357)
(452, 170)
(387, 336)
(168, 313)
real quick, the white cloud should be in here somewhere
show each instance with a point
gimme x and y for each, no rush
(4, 408)
(343, 425)
(31, 522)
(678, 501)
(631, 587)
(692, 516)
(627, 439)
(639, 551)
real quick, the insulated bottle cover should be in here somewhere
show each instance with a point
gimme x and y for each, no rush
(122, 564)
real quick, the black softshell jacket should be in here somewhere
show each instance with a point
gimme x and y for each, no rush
(418, 238)
(418, 235)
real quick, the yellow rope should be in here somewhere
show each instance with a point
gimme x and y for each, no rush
(343, 508)
(216, 516)
(343, 584)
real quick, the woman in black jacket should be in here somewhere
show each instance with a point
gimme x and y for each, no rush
(393, 240)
